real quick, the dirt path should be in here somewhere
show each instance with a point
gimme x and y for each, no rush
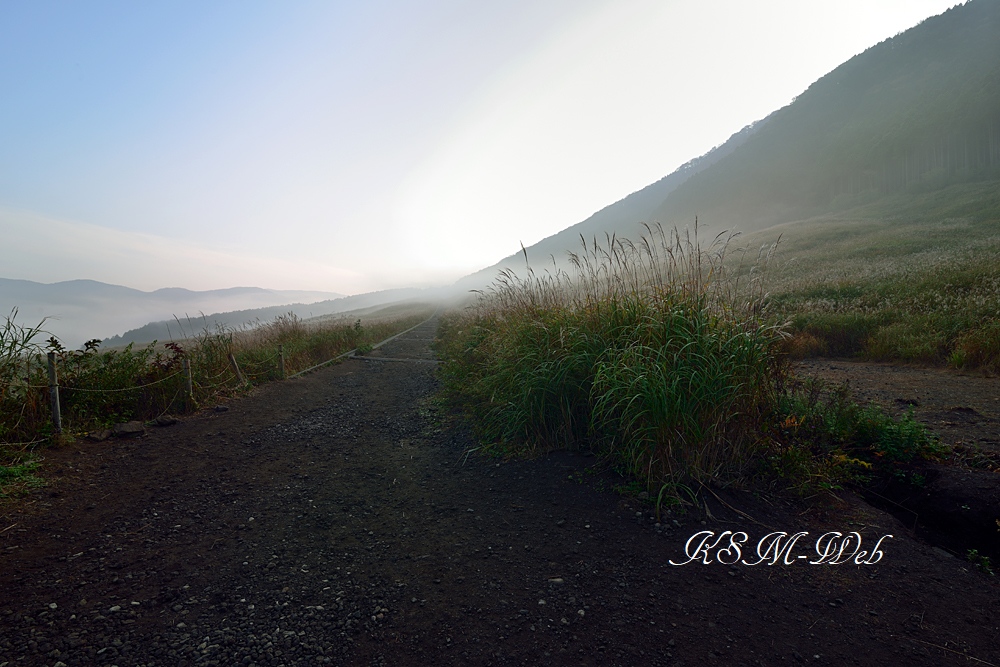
(331, 519)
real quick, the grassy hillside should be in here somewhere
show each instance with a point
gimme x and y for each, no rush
(188, 326)
(911, 278)
(918, 113)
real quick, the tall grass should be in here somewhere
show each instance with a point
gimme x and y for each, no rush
(661, 356)
(913, 279)
(653, 353)
(18, 344)
(931, 314)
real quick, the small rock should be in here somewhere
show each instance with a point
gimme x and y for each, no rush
(128, 429)
(165, 420)
(99, 436)
(221, 408)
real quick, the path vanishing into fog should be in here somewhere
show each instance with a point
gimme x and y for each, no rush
(340, 518)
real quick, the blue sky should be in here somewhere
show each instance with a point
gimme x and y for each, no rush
(359, 146)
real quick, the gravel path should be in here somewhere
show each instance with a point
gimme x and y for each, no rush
(335, 519)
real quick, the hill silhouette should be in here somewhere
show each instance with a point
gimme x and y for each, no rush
(78, 310)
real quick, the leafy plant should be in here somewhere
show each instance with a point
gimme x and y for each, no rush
(19, 477)
(981, 562)
(824, 440)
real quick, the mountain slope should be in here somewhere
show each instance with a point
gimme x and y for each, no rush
(920, 111)
(624, 215)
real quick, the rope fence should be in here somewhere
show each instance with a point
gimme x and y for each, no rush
(221, 373)
(22, 444)
(111, 391)
(258, 364)
(215, 385)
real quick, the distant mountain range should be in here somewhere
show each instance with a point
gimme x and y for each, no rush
(918, 112)
(79, 310)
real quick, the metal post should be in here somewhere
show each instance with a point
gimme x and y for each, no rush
(188, 382)
(54, 394)
(281, 362)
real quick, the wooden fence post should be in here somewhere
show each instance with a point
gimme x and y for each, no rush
(281, 362)
(54, 394)
(236, 368)
(188, 381)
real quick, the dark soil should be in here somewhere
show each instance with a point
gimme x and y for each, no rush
(955, 503)
(337, 519)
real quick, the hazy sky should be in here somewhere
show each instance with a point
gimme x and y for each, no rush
(355, 146)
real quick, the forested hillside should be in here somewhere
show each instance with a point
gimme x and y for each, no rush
(916, 112)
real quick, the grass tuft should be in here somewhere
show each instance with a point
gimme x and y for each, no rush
(651, 354)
